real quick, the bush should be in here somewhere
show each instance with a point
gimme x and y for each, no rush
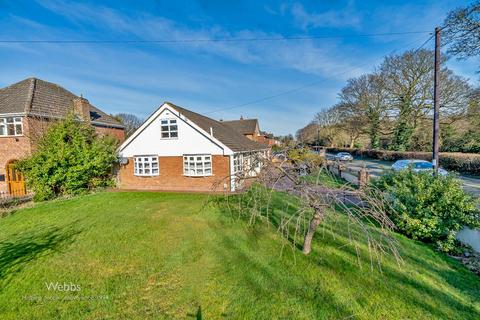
(304, 157)
(429, 208)
(456, 161)
(69, 159)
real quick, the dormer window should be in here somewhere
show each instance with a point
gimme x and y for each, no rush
(11, 126)
(169, 129)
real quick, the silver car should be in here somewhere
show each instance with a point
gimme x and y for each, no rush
(416, 166)
(343, 156)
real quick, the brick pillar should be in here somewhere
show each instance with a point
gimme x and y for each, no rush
(362, 178)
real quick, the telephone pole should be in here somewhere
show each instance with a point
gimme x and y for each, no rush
(436, 102)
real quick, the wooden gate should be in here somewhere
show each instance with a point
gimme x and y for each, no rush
(15, 181)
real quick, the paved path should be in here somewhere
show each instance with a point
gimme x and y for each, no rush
(376, 168)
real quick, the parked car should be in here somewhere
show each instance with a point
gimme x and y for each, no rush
(343, 156)
(416, 166)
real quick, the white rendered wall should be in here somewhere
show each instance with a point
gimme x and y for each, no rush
(190, 140)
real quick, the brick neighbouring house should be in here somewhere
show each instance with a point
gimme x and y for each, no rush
(251, 129)
(179, 150)
(26, 110)
(248, 127)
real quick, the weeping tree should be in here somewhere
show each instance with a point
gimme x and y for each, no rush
(364, 209)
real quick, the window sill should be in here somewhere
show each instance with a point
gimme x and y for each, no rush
(169, 138)
(146, 175)
(198, 176)
(15, 136)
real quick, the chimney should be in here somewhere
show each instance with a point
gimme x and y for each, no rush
(81, 108)
(211, 131)
(241, 117)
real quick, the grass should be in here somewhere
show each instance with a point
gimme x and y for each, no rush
(163, 255)
(327, 179)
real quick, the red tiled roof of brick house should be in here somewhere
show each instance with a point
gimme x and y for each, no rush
(250, 128)
(28, 107)
(178, 149)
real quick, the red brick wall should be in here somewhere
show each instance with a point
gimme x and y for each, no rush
(115, 132)
(171, 176)
(13, 148)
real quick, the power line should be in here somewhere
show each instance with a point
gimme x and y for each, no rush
(424, 43)
(186, 41)
(312, 83)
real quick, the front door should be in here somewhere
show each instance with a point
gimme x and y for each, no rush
(15, 180)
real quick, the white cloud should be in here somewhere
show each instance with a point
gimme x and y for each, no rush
(331, 18)
(324, 58)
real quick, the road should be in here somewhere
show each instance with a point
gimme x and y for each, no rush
(471, 184)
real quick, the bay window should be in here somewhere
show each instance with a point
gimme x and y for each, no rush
(146, 166)
(197, 165)
(11, 126)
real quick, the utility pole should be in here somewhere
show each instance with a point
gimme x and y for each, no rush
(436, 102)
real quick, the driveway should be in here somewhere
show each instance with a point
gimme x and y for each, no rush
(471, 184)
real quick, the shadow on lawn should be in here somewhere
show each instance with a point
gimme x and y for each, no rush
(20, 249)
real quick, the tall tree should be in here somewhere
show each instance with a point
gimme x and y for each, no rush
(409, 82)
(364, 106)
(329, 122)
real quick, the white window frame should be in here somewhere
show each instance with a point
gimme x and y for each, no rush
(197, 165)
(147, 162)
(238, 162)
(166, 126)
(5, 122)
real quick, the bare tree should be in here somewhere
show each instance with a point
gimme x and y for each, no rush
(364, 106)
(131, 122)
(462, 31)
(409, 81)
(329, 123)
(309, 133)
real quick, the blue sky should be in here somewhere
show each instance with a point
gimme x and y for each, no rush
(211, 76)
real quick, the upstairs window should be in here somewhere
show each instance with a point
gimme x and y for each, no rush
(169, 129)
(146, 166)
(11, 126)
(197, 165)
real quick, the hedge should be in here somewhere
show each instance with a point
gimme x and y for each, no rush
(455, 161)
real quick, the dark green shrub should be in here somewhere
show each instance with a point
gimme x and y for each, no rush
(429, 208)
(69, 159)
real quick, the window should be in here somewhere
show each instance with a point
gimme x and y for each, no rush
(169, 128)
(146, 166)
(197, 165)
(11, 126)
(238, 163)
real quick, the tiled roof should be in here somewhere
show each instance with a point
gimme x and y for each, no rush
(236, 141)
(41, 98)
(244, 126)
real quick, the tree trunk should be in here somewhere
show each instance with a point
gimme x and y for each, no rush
(352, 142)
(312, 228)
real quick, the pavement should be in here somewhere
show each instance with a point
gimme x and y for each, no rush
(376, 168)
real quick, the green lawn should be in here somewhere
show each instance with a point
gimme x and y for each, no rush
(153, 256)
(327, 179)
